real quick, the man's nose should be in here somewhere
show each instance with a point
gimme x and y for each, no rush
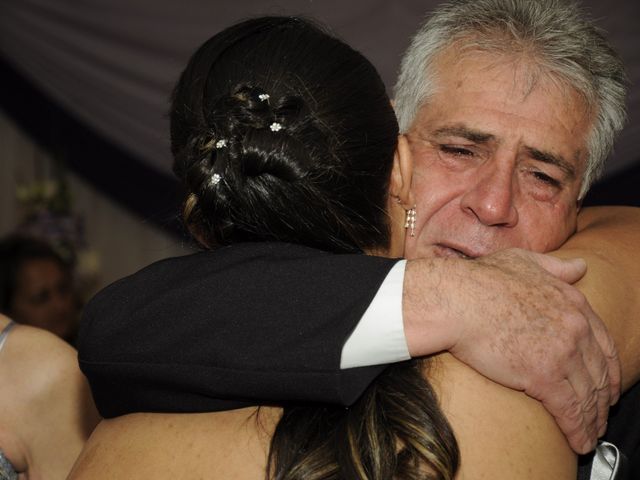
(491, 198)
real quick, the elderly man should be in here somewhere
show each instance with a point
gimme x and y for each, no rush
(514, 119)
(500, 137)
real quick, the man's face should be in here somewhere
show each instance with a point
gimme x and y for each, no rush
(498, 160)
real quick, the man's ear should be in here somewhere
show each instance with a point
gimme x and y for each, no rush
(402, 173)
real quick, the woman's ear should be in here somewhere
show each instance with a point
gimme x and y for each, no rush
(402, 173)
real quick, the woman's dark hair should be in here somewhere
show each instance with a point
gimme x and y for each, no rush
(321, 180)
(281, 132)
(15, 251)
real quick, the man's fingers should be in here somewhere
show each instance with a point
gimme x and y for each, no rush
(580, 402)
(593, 401)
(569, 271)
(599, 398)
(590, 378)
(583, 381)
(610, 353)
(567, 410)
(596, 391)
(615, 376)
(609, 369)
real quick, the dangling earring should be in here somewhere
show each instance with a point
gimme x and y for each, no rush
(410, 221)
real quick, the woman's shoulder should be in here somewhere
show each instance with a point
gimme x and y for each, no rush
(502, 433)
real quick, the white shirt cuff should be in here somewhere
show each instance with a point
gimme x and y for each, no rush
(379, 336)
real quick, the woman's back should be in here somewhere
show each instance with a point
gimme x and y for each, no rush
(231, 444)
(502, 434)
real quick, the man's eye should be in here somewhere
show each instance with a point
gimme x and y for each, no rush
(543, 177)
(456, 151)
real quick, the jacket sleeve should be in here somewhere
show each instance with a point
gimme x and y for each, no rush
(246, 324)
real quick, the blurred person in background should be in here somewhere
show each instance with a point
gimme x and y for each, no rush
(36, 286)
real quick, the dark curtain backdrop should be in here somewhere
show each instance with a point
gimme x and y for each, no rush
(90, 79)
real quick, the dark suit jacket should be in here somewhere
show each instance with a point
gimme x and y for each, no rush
(244, 324)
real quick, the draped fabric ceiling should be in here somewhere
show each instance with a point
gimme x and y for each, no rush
(111, 64)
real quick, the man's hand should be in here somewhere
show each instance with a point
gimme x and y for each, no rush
(513, 317)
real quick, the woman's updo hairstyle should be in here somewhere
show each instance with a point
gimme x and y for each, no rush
(282, 132)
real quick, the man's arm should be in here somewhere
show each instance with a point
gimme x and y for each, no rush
(267, 323)
(241, 325)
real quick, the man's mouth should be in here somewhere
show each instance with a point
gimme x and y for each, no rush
(443, 250)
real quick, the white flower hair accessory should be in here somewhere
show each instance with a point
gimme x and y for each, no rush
(215, 179)
(221, 143)
(275, 127)
(263, 97)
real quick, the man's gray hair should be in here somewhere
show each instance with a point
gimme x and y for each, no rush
(556, 36)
